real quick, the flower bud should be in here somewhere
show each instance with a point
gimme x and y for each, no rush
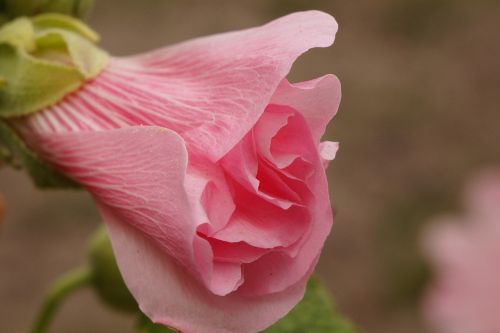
(106, 277)
(15, 8)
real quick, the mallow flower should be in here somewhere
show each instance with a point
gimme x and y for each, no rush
(207, 167)
(465, 251)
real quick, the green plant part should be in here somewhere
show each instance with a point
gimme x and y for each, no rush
(43, 59)
(106, 277)
(101, 273)
(314, 314)
(60, 290)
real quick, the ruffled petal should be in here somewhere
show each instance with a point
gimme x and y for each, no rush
(317, 100)
(138, 173)
(232, 76)
(279, 269)
(169, 295)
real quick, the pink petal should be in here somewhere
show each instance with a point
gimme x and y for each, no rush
(287, 143)
(261, 224)
(137, 175)
(235, 252)
(297, 238)
(275, 271)
(242, 164)
(328, 151)
(243, 69)
(317, 100)
(209, 90)
(170, 296)
(209, 195)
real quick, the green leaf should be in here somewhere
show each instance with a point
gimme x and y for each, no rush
(314, 314)
(43, 175)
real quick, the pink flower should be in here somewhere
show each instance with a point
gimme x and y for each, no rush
(207, 167)
(465, 296)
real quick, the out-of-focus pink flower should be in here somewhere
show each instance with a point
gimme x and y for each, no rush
(465, 250)
(207, 166)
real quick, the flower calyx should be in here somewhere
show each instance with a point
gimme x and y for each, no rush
(44, 58)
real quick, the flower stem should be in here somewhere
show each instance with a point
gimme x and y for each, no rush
(63, 287)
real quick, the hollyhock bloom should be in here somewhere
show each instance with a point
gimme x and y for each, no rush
(207, 167)
(465, 296)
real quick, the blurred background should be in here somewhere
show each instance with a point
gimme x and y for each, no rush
(419, 115)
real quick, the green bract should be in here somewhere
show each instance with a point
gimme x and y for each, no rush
(44, 58)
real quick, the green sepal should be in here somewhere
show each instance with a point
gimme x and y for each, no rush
(314, 314)
(87, 60)
(43, 59)
(43, 175)
(20, 33)
(31, 84)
